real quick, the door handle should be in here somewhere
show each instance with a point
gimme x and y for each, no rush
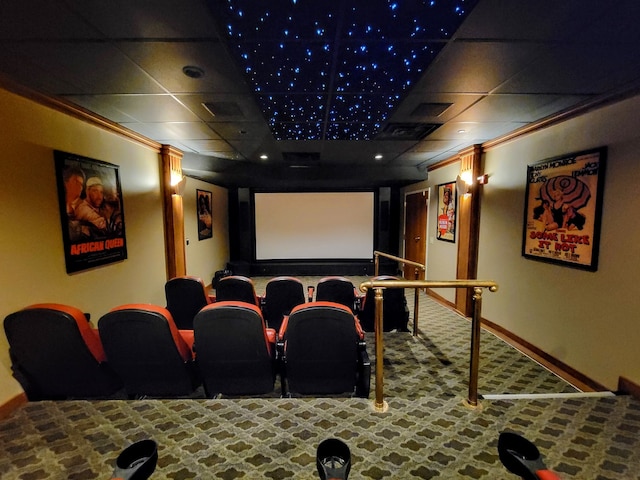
(417, 239)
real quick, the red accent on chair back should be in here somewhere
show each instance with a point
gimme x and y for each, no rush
(238, 289)
(186, 296)
(89, 335)
(339, 290)
(145, 347)
(280, 296)
(323, 350)
(234, 351)
(56, 354)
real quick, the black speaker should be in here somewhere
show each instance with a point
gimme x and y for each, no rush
(383, 220)
(244, 240)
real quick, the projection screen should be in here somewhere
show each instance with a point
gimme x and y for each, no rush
(310, 226)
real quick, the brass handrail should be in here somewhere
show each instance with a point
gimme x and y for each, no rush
(377, 254)
(474, 363)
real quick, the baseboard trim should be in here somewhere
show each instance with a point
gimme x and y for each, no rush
(627, 386)
(11, 405)
(558, 367)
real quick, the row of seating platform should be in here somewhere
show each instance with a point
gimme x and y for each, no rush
(231, 349)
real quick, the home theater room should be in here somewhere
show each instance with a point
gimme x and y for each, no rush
(300, 240)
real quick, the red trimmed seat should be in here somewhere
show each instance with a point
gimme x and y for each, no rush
(237, 288)
(55, 353)
(339, 290)
(148, 352)
(235, 352)
(185, 297)
(323, 351)
(280, 296)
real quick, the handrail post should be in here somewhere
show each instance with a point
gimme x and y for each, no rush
(416, 304)
(474, 363)
(376, 263)
(379, 403)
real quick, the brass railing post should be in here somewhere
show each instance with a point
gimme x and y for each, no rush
(416, 303)
(474, 363)
(379, 404)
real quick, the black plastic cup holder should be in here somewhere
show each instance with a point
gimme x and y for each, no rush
(333, 459)
(136, 462)
(522, 457)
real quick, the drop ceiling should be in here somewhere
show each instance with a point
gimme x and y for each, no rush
(322, 88)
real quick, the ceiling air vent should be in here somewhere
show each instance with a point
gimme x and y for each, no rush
(406, 131)
(223, 109)
(301, 158)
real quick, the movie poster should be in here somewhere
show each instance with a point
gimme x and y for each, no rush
(447, 201)
(91, 211)
(205, 228)
(563, 209)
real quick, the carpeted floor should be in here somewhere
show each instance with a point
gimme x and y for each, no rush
(426, 433)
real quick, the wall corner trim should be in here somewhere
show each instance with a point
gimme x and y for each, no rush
(11, 405)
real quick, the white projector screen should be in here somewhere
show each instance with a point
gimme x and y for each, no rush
(319, 225)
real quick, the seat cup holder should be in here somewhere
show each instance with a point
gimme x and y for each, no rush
(137, 461)
(333, 460)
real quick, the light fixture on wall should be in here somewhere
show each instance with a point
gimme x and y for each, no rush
(178, 182)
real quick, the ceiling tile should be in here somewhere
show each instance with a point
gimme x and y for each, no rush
(91, 67)
(518, 108)
(152, 108)
(164, 61)
(149, 19)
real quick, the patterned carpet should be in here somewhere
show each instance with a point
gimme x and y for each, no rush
(426, 433)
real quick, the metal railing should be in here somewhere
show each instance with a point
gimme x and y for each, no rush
(474, 363)
(416, 274)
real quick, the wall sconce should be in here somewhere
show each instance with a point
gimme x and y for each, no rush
(178, 183)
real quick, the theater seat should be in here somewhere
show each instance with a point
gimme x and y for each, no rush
(339, 290)
(280, 296)
(238, 289)
(185, 297)
(148, 352)
(395, 312)
(56, 354)
(235, 352)
(323, 351)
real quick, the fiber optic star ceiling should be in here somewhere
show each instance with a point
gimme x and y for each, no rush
(335, 70)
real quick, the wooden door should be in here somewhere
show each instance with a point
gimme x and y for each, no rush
(415, 233)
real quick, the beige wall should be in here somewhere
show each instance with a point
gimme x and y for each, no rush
(204, 257)
(31, 252)
(588, 320)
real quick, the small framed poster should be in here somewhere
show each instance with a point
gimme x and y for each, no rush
(205, 229)
(447, 204)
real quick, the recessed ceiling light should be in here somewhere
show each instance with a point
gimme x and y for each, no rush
(378, 156)
(192, 71)
(264, 156)
(462, 130)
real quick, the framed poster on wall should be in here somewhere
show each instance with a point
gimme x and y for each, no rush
(563, 209)
(91, 211)
(205, 229)
(447, 204)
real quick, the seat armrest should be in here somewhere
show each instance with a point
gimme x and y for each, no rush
(363, 386)
(188, 337)
(271, 335)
